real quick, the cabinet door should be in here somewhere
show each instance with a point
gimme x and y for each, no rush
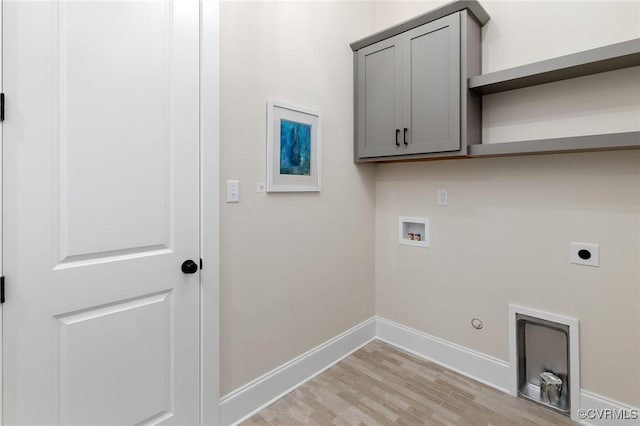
(431, 87)
(379, 99)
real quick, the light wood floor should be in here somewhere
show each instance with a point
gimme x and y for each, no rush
(381, 385)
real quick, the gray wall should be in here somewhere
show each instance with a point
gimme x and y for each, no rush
(296, 269)
(504, 238)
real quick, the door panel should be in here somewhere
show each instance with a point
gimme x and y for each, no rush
(379, 98)
(108, 138)
(432, 86)
(100, 155)
(91, 368)
(114, 125)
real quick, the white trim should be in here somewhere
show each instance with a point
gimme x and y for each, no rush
(245, 401)
(574, 351)
(475, 365)
(209, 209)
(592, 401)
(1, 213)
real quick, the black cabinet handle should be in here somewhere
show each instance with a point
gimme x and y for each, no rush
(397, 134)
(405, 136)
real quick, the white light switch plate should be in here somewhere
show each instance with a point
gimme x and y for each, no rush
(584, 254)
(443, 198)
(233, 191)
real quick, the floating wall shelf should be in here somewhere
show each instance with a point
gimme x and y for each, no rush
(594, 61)
(605, 142)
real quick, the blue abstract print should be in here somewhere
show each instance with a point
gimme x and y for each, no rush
(295, 148)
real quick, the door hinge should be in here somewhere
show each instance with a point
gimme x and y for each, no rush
(200, 263)
(1, 289)
(1, 106)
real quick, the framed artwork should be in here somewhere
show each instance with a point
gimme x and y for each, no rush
(293, 148)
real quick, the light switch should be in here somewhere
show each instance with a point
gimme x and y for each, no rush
(233, 191)
(442, 197)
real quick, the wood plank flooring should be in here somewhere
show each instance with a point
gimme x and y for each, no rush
(382, 385)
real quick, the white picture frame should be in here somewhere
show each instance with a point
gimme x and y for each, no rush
(293, 148)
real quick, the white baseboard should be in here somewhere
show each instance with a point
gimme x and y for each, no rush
(245, 401)
(595, 406)
(480, 367)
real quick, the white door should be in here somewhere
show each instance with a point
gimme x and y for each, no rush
(101, 199)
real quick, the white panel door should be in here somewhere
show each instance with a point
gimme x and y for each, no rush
(101, 198)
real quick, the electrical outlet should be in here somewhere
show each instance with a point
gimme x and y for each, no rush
(584, 254)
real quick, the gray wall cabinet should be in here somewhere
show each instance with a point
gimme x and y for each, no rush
(411, 96)
(431, 87)
(418, 90)
(380, 98)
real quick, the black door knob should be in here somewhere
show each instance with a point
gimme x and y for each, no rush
(189, 267)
